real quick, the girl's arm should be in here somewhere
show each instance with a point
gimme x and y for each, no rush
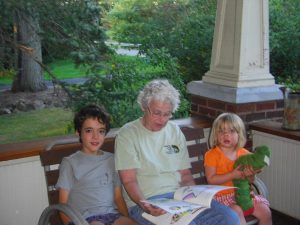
(120, 202)
(63, 196)
(213, 178)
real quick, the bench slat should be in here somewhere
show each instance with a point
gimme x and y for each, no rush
(197, 150)
(192, 133)
(52, 177)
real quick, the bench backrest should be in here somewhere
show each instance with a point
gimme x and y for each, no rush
(53, 155)
(197, 146)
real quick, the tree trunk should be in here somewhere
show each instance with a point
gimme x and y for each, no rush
(2, 54)
(29, 77)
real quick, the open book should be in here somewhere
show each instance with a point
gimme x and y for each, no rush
(188, 202)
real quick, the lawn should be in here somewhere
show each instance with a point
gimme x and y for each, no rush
(62, 69)
(65, 69)
(36, 124)
(48, 122)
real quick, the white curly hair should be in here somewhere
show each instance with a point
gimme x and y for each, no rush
(159, 90)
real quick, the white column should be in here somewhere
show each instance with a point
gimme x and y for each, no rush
(240, 54)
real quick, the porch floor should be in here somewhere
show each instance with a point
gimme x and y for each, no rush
(282, 219)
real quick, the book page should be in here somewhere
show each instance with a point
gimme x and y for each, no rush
(183, 218)
(199, 194)
(173, 206)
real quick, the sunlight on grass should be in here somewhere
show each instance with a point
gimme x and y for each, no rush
(64, 69)
(36, 124)
(5, 81)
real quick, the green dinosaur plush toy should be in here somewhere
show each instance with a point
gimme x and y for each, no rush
(259, 159)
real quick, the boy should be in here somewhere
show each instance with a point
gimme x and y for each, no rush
(87, 180)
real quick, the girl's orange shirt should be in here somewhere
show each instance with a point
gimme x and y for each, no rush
(216, 158)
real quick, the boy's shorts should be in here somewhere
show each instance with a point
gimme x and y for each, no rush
(107, 219)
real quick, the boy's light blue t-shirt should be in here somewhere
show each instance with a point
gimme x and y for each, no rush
(156, 156)
(91, 181)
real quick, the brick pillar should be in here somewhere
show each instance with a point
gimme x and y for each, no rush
(251, 104)
(249, 112)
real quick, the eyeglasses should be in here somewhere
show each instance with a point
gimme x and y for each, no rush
(158, 114)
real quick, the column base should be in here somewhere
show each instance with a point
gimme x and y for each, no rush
(235, 95)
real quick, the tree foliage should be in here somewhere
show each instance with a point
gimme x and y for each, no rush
(118, 91)
(70, 29)
(285, 40)
(185, 28)
(73, 28)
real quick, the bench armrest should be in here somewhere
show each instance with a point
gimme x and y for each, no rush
(260, 187)
(73, 214)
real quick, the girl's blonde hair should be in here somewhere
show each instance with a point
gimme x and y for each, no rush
(235, 122)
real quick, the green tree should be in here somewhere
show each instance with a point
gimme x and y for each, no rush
(183, 27)
(285, 39)
(118, 91)
(60, 29)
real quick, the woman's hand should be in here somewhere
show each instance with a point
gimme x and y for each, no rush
(151, 209)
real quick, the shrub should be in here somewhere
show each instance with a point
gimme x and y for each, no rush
(117, 91)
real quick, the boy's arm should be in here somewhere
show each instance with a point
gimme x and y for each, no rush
(63, 198)
(120, 202)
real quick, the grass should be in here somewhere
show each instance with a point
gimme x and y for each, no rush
(36, 124)
(48, 122)
(62, 69)
(65, 69)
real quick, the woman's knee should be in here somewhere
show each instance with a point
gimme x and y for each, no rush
(230, 215)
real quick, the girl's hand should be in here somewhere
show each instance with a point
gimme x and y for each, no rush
(248, 171)
(237, 173)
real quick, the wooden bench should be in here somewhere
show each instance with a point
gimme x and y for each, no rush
(54, 153)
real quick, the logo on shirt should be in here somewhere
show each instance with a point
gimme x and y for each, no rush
(171, 149)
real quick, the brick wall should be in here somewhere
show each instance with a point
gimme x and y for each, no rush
(249, 112)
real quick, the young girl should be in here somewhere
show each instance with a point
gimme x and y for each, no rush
(228, 137)
(87, 179)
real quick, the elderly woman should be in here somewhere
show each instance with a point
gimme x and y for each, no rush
(147, 166)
